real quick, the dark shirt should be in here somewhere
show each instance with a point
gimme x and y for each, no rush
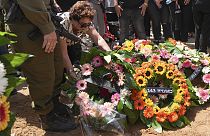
(203, 5)
(66, 4)
(131, 4)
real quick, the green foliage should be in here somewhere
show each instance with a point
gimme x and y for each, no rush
(131, 114)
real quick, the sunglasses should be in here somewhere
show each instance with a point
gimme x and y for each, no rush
(84, 25)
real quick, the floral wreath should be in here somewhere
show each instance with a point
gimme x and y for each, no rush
(160, 73)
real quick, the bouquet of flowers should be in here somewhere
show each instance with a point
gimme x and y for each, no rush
(8, 81)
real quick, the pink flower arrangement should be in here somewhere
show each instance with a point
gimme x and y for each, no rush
(164, 54)
(203, 94)
(205, 62)
(206, 78)
(81, 84)
(155, 57)
(82, 98)
(115, 98)
(97, 61)
(87, 69)
(107, 108)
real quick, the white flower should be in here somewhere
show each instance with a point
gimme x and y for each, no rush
(206, 70)
(3, 79)
(124, 93)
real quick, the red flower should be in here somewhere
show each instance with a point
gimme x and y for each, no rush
(172, 117)
(139, 104)
(182, 110)
(148, 112)
(161, 117)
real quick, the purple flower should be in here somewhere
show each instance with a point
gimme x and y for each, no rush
(164, 54)
(97, 61)
(118, 68)
(81, 84)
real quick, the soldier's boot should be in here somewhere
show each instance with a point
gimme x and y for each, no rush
(55, 123)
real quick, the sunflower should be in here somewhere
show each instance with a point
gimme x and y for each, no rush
(176, 80)
(148, 102)
(172, 117)
(141, 81)
(148, 112)
(161, 117)
(156, 109)
(175, 107)
(139, 104)
(4, 113)
(148, 73)
(178, 98)
(146, 64)
(180, 91)
(142, 94)
(160, 68)
(170, 74)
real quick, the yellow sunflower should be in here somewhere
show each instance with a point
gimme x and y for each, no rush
(142, 94)
(141, 81)
(175, 107)
(176, 80)
(170, 74)
(148, 73)
(178, 98)
(156, 109)
(148, 102)
(160, 68)
(4, 113)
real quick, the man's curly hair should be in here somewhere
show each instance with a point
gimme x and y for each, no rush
(80, 10)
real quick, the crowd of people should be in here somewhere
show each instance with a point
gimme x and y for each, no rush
(53, 53)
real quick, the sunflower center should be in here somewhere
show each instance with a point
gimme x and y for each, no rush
(147, 73)
(160, 68)
(140, 81)
(170, 73)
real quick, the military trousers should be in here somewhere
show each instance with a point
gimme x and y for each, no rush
(44, 71)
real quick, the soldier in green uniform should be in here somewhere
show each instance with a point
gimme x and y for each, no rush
(44, 71)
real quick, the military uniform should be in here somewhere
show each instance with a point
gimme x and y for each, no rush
(44, 71)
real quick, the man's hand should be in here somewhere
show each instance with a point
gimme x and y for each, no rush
(143, 8)
(118, 10)
(50, 41)
(186, 2)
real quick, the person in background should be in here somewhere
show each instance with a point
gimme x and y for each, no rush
(201, 14)
(183, 21)
(98, 19)
(44, 71)
(131, 11)
(159, 12)
(79, 21)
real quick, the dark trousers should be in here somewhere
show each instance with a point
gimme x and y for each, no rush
(134, 16)
(147, 24)
(160, 16)
(202, 28)
(181, 21)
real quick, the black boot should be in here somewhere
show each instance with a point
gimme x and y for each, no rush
(55, 123)
(60, 108)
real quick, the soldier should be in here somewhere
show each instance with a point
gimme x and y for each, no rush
(44, 71)
(201, 14)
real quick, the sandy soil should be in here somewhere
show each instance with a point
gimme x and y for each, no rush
(27, 123)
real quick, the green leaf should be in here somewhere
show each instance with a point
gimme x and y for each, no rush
(16, 59)
(120, 106)
(185, 120)
(12, 83)
(128, 104)
(179, 123)
(119, 56)
(166, 125)
(108, 58)
(132, 115)
(157, 127)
